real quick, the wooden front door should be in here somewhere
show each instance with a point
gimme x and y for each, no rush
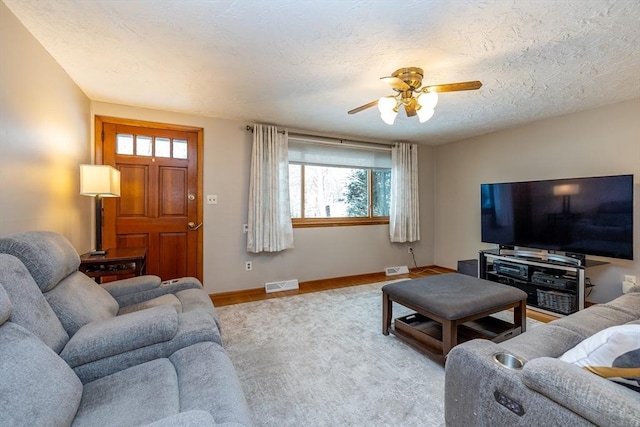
(160, 206)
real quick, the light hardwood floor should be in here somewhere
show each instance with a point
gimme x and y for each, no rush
(258, 294)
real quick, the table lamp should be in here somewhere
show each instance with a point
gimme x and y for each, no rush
(566, 191)
(99, 181)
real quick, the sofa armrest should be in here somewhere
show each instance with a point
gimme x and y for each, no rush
(101, 339)
(479, 391)
(143, 288)
(132, 285)
(194, 418)
(597, 399)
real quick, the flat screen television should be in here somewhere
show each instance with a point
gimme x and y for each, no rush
(589, 216)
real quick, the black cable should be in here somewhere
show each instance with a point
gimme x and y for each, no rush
(415, 265)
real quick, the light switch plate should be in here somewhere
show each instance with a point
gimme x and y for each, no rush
(212, 199)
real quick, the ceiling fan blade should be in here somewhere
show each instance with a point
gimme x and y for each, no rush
(363, 107)
(395, 83)
(454, 87)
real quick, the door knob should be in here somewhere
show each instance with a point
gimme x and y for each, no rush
(192, 226)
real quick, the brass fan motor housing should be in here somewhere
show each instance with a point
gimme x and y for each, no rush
(411, 76)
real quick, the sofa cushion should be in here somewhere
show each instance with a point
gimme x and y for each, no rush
(601, 402)
(168, 299)
(30, 309)
(193, 327)
(78, 300)
(37, 387)
(208, 381)
(198, 300)
(139, 289)
(613, 353)
(594, 319)
(627, 303)
(48, 256)
(186, 419)
(5, 306)
(138, 395)
(543, 340)
(121, 334)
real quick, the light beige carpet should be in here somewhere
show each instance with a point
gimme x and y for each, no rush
(320, 359)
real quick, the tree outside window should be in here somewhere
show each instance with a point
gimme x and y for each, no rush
(334, 193)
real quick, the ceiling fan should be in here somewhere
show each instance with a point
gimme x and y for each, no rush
(416, 99)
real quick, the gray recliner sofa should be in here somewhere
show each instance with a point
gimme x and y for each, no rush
(100, 330)
(135, 352)
(546, 391)
(194, 386)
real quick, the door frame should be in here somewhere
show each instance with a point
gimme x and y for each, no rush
(99, 159)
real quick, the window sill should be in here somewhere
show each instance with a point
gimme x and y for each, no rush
(337, 222)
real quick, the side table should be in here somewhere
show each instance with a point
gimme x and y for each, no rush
(117, 262)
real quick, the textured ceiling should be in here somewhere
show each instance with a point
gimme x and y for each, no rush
(304, 64)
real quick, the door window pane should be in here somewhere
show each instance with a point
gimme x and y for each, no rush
(144, 146)
(124, 144)
(163, 147)
(179, 148)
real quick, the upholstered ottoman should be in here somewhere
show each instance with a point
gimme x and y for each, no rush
(451, 308)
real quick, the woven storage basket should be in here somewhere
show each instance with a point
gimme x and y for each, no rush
(557, 301)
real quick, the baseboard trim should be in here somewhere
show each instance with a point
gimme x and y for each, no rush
(258, 294)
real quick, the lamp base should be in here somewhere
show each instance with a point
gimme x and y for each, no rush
(98, 253)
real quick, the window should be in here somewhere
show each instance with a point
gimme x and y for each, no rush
(338, 184)
(149, 146)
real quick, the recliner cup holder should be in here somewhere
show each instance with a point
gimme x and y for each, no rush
(508, 361)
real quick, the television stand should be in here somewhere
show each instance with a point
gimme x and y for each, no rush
(542, 256)
(554, 284)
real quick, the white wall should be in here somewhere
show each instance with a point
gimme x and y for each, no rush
(319, 253)
(603, 141)
(44, 136)
(46, 130)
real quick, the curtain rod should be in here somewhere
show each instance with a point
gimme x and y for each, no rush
(335, 140)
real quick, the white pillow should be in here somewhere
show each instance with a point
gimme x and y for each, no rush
(613, 353)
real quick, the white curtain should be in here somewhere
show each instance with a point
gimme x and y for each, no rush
(404, 215)
(269, 221)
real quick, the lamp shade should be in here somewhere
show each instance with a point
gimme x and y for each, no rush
(387, 107)
(566, 189)
(428, 100)
(99, 180)
(425, 114)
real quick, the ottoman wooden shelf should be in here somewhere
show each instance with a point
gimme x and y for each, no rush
(450, 309)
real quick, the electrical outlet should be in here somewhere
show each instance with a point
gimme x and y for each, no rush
(212, 199)
(630, 279)
(409, 250)
(245, 228)
(248, 266)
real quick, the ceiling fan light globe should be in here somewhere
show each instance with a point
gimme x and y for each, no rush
(386, 104)
(428, 100)
(388, 116)
(425, 114)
